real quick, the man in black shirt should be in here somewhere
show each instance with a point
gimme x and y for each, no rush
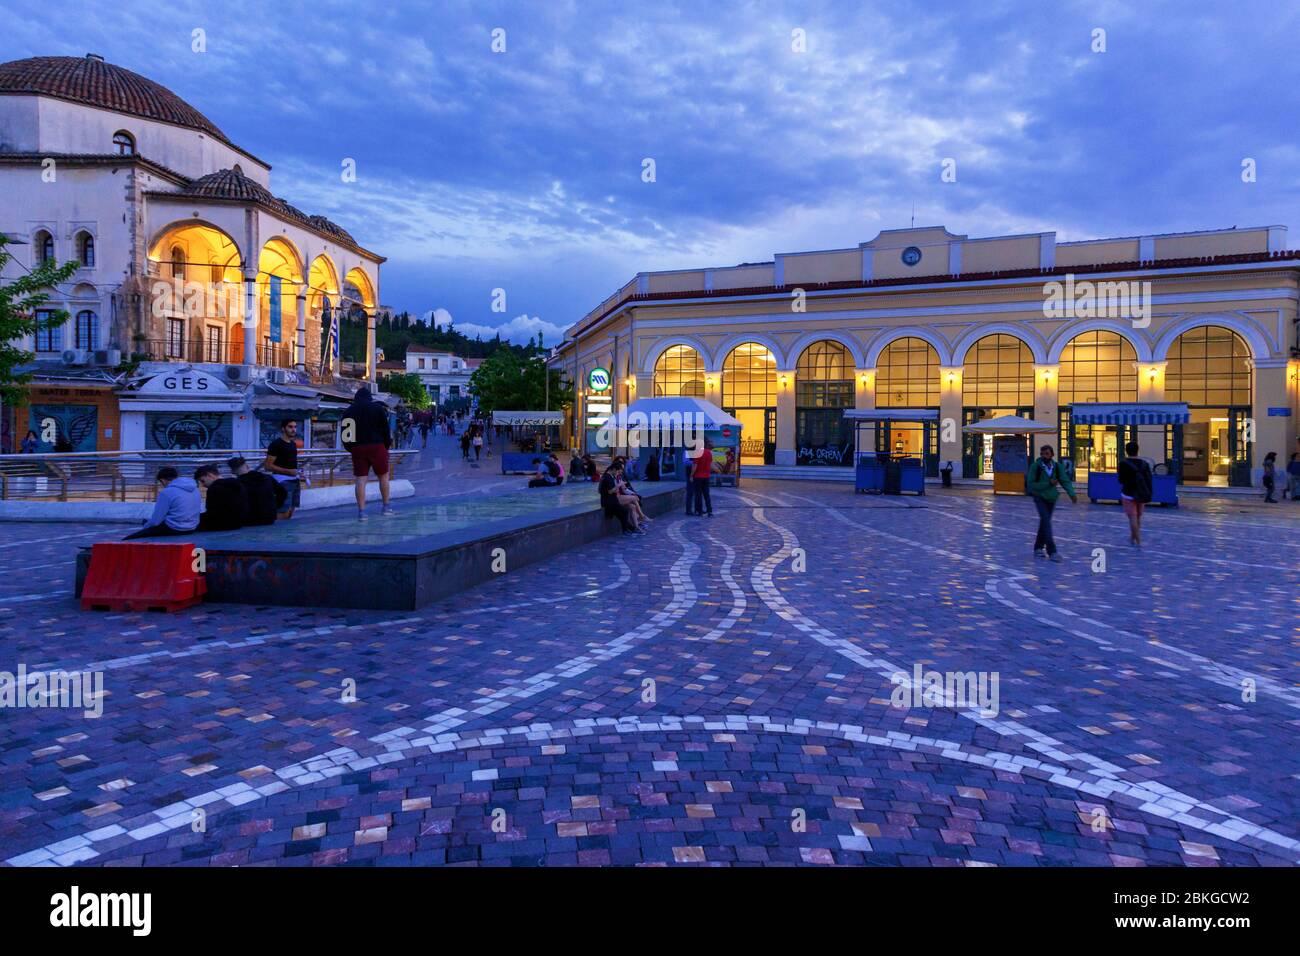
(282, 463)
(227, 503)
(366, 421)
(259, 488)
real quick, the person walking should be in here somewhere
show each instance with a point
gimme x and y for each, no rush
(177, 509)
(1134, 490)
(30, 443)
(464, 444)
(369, 448)
(1270, 477)
(478, 442)
(424, 432)
(701, 476)
(1046, 479)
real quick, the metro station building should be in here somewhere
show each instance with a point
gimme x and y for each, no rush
(964, 329)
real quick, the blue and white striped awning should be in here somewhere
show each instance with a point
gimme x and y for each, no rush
(1129, 413)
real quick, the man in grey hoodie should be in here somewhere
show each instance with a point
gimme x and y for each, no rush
(177, 509)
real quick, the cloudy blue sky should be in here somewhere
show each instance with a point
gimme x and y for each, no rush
(522, 170)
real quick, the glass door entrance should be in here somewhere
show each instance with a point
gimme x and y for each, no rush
(757, 434)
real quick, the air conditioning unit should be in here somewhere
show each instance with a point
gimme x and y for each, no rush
(239, 373)
(75, 356)
(110, 358)
(280, 376)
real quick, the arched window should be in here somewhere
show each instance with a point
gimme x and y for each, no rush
(907, 374)
(44, 247)
(178, 262)
(999, 373)
(87, 334)
(823, 389)
(679, 371)
(749, 377)
(1208, 366)
(86, 250)
(123, 143)
(1098, 367)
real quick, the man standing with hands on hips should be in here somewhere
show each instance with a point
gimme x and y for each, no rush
(1046, 479)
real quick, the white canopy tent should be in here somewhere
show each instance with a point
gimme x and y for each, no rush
(695, 412)
(1008, 425)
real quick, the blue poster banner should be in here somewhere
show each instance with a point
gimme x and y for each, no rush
(275, 309)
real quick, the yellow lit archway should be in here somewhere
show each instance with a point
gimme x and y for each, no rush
(679, 371)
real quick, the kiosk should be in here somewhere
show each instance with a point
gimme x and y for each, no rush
(666, 430)
(1011, 449)
(1147, 423)
(894, 448)
(526, 435)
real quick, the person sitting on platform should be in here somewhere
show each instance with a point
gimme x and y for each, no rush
(177, 509)
(226, 501)
(260, 490)
(609, 501)
(547, 473)
(556, 469)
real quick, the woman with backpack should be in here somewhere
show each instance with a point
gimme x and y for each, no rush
(1134, 491)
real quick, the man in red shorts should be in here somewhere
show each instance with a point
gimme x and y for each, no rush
(367, 420)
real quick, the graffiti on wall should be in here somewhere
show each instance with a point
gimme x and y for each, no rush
(188, 430)
(74, 426)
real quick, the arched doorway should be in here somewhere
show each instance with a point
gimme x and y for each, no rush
(1098, 366)
(1209, 368)
(679, 371)
(279, 276)
(907, 376)
(749, 394)
(997, 379)
(197, 299)
(823, 390)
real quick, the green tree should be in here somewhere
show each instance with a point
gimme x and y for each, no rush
(408, 387)
(510, 380)
(19, 301)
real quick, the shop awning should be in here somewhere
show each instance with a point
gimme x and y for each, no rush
(537, 419)
(1008, 425)
(892, 414)
(1130, 413)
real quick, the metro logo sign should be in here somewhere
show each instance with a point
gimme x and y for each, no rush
(598, 379)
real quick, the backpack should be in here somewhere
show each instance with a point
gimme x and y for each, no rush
(1141, 482)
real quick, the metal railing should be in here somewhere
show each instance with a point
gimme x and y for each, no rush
(222, 353)
(129, 475)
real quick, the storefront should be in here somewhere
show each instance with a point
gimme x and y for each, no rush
(749, 396)
(71, 416)
(1098, 433)
(187, 410)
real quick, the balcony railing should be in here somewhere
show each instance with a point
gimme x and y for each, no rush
(129, 475)
(222, 353)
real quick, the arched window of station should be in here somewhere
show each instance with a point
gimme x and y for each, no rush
(997, 379)
(1097, 366)
(679, 371)
(1209, 368)
(823, 389)
(196, 300)
(907, 375)
(749, 394)
(279, 274)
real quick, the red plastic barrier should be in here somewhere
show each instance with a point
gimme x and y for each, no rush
(136, 576)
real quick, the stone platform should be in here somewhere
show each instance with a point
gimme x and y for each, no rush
(432, 549)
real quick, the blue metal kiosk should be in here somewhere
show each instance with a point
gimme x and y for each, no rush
(1133, 420)
(894, 448)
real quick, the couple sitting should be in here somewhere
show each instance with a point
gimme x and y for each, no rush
(620, 501)
(550, 473)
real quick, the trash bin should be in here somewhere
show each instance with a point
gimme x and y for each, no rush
(946, 474)
(893, 478)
